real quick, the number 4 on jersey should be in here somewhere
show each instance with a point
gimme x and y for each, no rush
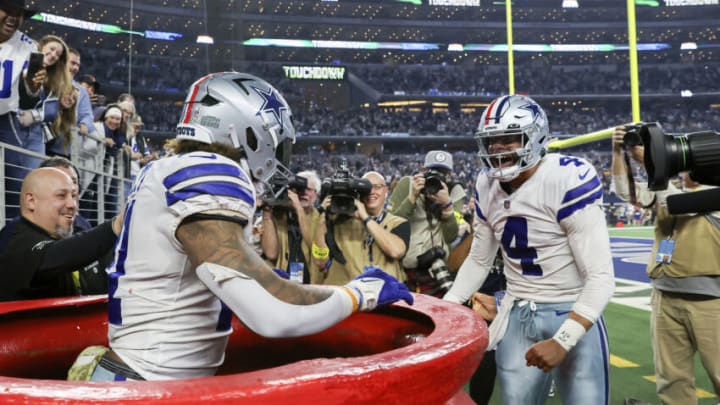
(516, 229)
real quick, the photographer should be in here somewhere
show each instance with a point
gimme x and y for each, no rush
(288, 230)
(683, 270)
(428, 201)
(368, 236)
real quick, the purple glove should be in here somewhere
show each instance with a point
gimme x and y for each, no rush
(375, 287)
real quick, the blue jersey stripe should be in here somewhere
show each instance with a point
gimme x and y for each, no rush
(578, 205)
(604, 348)
(582, 189)
(207, 169)
(222, 188)
(114, 310)
(225, 318)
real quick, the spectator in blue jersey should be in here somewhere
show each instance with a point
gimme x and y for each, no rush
(15, 48)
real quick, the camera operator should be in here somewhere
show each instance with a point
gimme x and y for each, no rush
(288, 230)
(369, 236)
(428, 201)
(683, 270)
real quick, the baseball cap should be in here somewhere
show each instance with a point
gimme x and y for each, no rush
(439, 159)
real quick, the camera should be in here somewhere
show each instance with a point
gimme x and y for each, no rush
(278, 197)
(343, 190)
(433, 181)
(632, 135)
(666, 155)
(434, 261)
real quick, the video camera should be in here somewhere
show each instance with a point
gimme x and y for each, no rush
(632, 135)
(666, 155)
(343, 190)
(433, 181)
(278, 198)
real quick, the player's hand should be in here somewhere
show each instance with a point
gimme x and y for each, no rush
(545, 355)
(375, 287)
(484, 305)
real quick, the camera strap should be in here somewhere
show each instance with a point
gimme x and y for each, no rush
(630, 178)
(370, 239)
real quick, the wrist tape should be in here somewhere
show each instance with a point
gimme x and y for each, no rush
(570, 332)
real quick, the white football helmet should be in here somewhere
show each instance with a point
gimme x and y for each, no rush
(522, 119)
(246, 112)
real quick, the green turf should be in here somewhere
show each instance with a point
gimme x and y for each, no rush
(629, 333)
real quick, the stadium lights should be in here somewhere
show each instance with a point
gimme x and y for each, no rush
(686, 93)
(688, 46)
(455, 48)
(570, 4)
(205, 39)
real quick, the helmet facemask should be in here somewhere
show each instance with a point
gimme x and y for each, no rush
(520, 121)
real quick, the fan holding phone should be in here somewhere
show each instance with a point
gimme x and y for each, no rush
(56, 109)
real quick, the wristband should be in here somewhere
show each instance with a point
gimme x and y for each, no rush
(569, 334)
(320, 253)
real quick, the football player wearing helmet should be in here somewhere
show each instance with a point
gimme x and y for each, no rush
(544, 211)
(182, 263)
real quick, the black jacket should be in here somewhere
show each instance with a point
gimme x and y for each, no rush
(34, 265)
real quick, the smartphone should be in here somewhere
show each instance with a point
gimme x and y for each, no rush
(35, 63)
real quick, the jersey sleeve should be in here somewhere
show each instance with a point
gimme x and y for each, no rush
(576, 185)
(579, 197)
(207, 183)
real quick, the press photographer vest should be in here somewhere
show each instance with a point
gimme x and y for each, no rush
(696, 250)
(288, 253)
(352, 237)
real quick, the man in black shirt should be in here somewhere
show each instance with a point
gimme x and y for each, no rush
(37, 253)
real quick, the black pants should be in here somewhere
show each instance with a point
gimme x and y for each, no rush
(483, 380)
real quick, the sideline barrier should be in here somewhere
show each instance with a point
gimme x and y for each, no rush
(423, 354)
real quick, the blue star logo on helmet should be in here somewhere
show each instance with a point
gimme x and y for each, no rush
(271, 103)
(533, 108)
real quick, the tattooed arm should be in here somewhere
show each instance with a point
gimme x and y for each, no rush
(266, 303)
(222, 242)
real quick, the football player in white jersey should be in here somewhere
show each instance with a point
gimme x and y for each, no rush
(182, 262)
(15, 48)
(544, 211)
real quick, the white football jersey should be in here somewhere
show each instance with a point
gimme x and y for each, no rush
(14, 54)
(163, 321)
(529, 225)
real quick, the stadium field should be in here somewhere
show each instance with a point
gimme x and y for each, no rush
(628, 323)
